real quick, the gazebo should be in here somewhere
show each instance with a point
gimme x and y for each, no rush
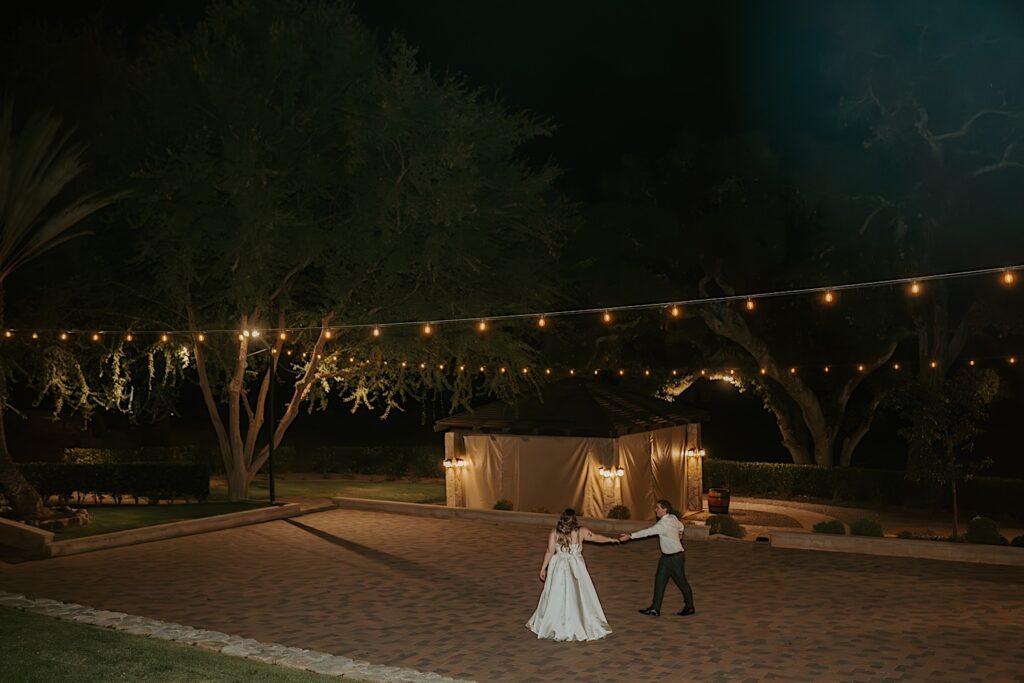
(578, 443)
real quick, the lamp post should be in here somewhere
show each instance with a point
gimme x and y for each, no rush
(273, 421)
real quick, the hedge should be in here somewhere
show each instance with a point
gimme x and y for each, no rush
(389, 461)
(151, 481)
(981, 495)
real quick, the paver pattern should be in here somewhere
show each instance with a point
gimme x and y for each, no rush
(452, 597)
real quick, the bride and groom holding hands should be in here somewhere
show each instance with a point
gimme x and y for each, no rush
(569, 608)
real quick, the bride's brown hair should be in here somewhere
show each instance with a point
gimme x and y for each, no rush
(567, 524)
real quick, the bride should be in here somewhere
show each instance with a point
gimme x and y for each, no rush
(568, 608)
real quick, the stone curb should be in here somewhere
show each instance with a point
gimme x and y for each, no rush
(899, 547)
(694, 532)
(234, 646)
(159, 532)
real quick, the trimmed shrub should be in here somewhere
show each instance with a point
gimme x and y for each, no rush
(1018, 542)
(832, 526)
(150, 481)
(983, 530)
(503, 505)
(981, 495)
(725, 525)
(866, 527)
(905, 534)
(619, 512)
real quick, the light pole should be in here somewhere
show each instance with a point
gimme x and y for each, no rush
(273, 425)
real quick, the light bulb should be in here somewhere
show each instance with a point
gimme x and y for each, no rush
(572, 371)
(675, 311)
(621, 373)
(526, 371)
(8, 334)
(376, 332)
(163, 338)
(750, 304)
(1013, 360)
(829, 297)
(828, 368)
(96, 336)
(542, 322)
(1009, 277)
(327, 334)
(933, 364)
(895, 366)
(282, 336)
(201, 337)
(255, 333)
(128, 337)
(971, 362)
(607, 317)
(792, 371)
(764, 371)
(547, 371)
(35, 335)
(63, 336)
(482, 326)
(915, 287)
(427, 329)
(860, 368)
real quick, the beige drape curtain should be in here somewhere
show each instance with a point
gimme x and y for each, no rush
(549, 473)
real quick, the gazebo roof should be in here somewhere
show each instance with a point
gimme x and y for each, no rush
(575, 407)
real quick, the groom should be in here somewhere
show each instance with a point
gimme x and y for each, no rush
(668, 529)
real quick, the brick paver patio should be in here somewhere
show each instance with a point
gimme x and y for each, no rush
(452, 596)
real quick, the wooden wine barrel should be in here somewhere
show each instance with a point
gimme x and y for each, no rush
(718, 501)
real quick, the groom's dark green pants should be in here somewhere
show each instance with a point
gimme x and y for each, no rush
(671, 566)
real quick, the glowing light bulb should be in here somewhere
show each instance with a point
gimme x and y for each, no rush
(622, 373)
(462, 368)
(63, 336)
(128, 337)
(547, 371)
(933, 364)
(8, 334)
(764, 371)
(423, 366)
(376, 331)
(895, 366)
(482, 326)
(860, 368)
(241, 337)
(328, 334)
(750, 304)
(1013, 360)
(403, 363)
(572, 371)
(792, 371)
(676, 372)
(245, 333)
(163, 338)
(596, 371)
(526, 371)
(255, 333)
(201, 337)
(95, 336)
(542, 322)
(647, 373)
(971, 362)
(1009, 277)
(675, 311)
(504, 370)
(282, 336)
(828, 369)
(482, 368)
(915, 287)
(427, 329)
(35, 335)
(607, 317)
(829, 297)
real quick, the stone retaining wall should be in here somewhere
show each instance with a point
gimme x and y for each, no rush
(899, 547)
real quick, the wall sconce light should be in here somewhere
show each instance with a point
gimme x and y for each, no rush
(611, 473)
(454, 462)
(691, 453)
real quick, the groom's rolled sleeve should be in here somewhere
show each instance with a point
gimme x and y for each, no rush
(649, 531)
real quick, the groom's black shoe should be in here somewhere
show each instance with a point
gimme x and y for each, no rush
(686, 611)
(650, 611)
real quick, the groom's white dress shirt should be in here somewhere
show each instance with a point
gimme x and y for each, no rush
(667, 530)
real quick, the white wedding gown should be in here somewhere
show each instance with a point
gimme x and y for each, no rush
(568, 608)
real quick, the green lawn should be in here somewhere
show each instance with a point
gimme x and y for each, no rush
(106, 518)
(402, 491)
(38, 648)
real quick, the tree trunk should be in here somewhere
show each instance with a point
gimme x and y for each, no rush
(238, 443)
(23, 499)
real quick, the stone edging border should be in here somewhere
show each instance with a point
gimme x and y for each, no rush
(899, 547)
(42, 544)
(694, 532)
(215, 641)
